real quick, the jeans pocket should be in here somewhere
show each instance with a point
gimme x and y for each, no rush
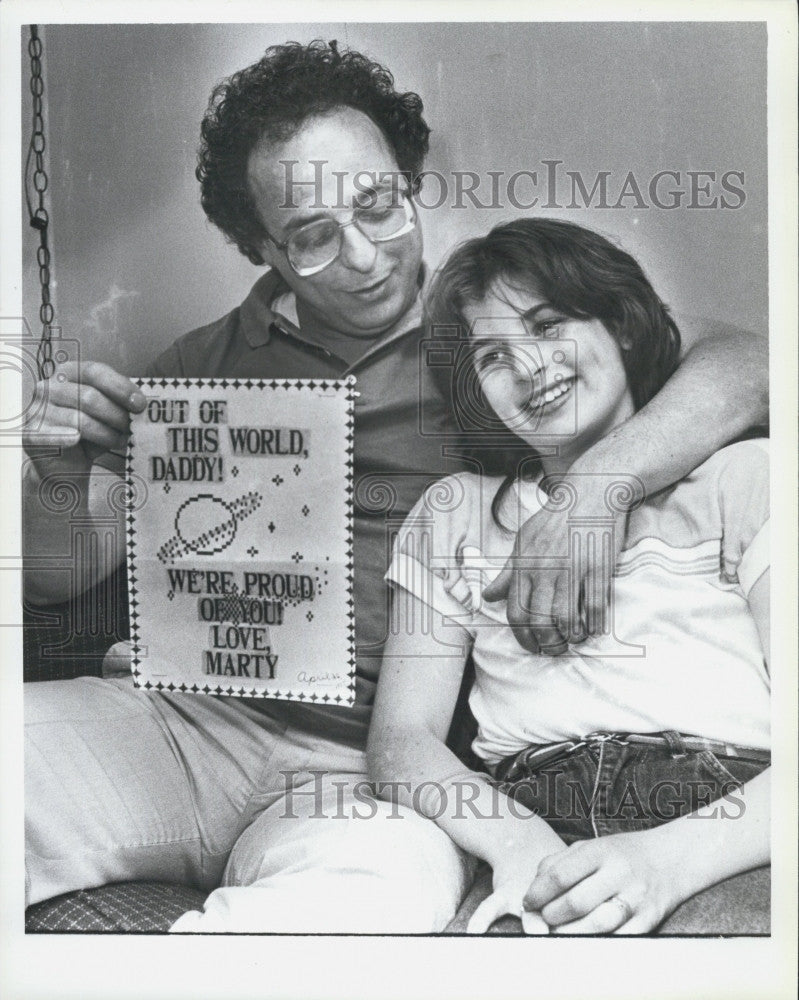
(730, 772)
(645, 788)
(560, 793)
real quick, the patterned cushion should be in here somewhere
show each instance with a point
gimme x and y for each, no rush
(152, 907)
(146, 907)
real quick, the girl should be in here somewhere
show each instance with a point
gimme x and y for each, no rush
(615, 769)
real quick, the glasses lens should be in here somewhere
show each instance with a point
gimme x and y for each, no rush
(315, 245)
(389, 217)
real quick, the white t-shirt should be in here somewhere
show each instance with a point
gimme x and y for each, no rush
(682, 651)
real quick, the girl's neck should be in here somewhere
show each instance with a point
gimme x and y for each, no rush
(567, 454)
(556, 465)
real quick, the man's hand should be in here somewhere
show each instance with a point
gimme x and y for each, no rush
(557, 580)
(87, 412)
(624, 884)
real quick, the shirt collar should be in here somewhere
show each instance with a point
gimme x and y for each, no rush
(256, 314)
(285, 307)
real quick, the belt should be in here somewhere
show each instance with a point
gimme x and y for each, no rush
(536, 756)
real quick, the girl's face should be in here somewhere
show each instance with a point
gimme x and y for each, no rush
(551, 379)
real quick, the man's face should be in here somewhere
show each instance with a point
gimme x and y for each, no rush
(370, 286)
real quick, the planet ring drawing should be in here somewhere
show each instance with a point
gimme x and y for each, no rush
(206, 524)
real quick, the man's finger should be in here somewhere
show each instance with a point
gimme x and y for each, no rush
(497, 590)
(583, 557)
(96, 433)
(579, 629)
(519, 595)
(100, 376)
(89, 400)
(577, 626)
(598, 581)
(533, 603)
(595, 600)
(561, 601)
(550, 639)
(530, 615)
(555, 641)
(60, 429)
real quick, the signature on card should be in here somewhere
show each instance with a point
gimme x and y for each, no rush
(321, 679)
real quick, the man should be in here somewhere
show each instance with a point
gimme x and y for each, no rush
(308, 164)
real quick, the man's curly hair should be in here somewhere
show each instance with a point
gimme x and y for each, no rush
(271, 99)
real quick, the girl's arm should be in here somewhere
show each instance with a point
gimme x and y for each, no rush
(652, 872)
(408, 760)
(655, 870)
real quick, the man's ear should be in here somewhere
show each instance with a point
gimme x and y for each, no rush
(276, 259)
(269, 252)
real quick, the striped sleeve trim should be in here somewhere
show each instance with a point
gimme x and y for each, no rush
(755, 561)
(428, 587)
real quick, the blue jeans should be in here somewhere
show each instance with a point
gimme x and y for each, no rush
(608, 787)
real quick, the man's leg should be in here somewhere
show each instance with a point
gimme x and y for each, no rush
(329, 858)
(122, 784)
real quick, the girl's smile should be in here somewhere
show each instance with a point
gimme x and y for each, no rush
(550, 378)
(553, 395)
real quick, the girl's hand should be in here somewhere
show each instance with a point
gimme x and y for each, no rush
(510, 882)
(625, 883)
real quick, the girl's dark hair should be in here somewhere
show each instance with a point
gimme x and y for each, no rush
(582, 275)
(272, 99)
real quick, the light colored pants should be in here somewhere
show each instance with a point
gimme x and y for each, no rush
(123, 785)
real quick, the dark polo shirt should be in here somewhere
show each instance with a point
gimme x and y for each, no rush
(400, 415)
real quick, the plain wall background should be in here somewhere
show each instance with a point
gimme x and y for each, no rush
(136, 264)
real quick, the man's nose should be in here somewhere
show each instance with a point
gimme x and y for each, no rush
(357, 252)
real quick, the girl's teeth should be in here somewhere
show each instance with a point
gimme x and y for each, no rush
(552, 394)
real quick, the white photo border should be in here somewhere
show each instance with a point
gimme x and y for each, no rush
(56, 966)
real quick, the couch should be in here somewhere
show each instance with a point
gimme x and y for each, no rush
(55, 649)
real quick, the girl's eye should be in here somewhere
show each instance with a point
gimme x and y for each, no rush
(491, 359)
(548, 327)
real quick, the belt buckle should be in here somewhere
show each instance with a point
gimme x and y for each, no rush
(534, 759)
(606, 738)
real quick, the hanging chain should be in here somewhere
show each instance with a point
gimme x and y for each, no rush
(38, 215)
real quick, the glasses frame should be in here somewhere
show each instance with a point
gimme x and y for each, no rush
(307, 272)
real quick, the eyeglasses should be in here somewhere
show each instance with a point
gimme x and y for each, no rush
(312, 248)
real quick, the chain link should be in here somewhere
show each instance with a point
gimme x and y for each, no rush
(36, 176)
